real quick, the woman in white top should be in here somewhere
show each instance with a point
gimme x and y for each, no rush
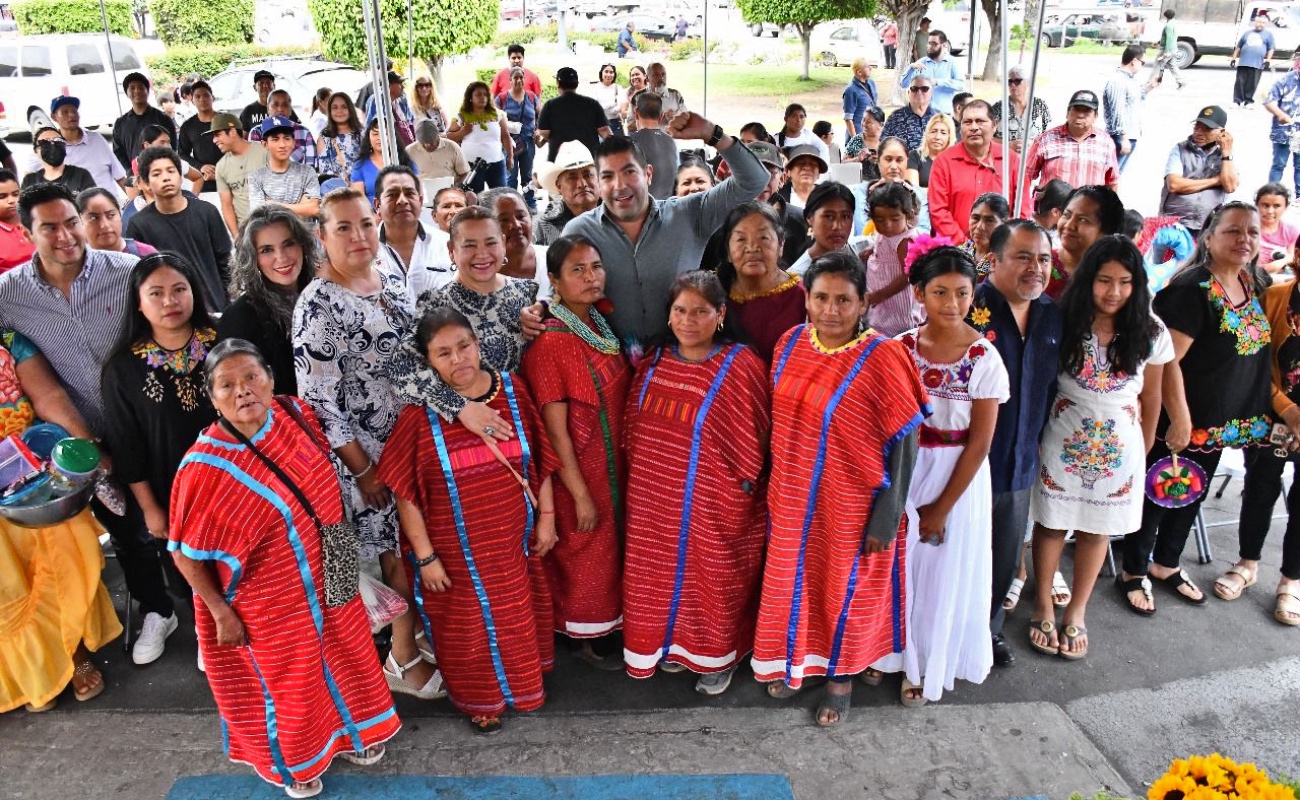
(795, 132)
(318, 116)
(611, 97)
(481, 132)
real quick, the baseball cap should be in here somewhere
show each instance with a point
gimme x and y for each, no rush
(274, 124)
(566, 75)
(262, 73)
(393, 77)
(1212, 117)
(134, 77)
(767, 153)
(224, 122)
(572, 154)
(807, 151)
(64, 100)
(1085, 98)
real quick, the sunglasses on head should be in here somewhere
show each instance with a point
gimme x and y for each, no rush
(922, 89)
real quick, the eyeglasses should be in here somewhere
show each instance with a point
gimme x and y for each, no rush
(1015, 81)
(921, 89)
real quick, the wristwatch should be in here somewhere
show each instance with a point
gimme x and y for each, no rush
(716, 137)
(1225, 158)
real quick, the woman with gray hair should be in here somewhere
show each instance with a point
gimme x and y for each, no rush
(1040, 119)
(524, 259)
(275, 258)
(255, 523)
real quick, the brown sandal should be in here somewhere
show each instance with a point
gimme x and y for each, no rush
(82, 678)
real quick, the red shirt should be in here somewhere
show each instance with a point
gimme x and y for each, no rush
(957, 180)
(501, 83)
(15, 247)
(1056, 154)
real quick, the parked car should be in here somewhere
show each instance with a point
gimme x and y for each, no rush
(1104, 27)
(232, 89)
(648, 25)
(835, 43)
(36, 69)
(1210, 29)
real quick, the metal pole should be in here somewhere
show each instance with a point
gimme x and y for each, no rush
(410, 40)
(1029, 109)
(108, 41)
(976, 8)
(1006, 111)
(379, 74)
(705, 109)
(562, 37)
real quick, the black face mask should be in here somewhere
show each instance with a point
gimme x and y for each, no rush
(53, 152)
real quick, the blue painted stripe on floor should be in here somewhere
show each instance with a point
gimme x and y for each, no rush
(406, 787)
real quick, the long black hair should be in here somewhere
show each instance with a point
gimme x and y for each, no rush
(367, 150)
(942, 261)
(135, 328)
(707, 286)
(1135, 327)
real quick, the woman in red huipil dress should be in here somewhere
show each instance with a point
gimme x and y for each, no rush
(476, 518)
(697, 430)
(845, 408)
(579, 379)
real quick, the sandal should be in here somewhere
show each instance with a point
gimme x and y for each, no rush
(871, 677)
(1072, 634)
(1227, 588)
(425, 649)
(837, 704)
(371, 755)
(395, 676)
(82, 677)
(1177, 581)
(310, 788)
(1061, 594)
(1046, 627)
(780, 690)
(31, 709)
(486, 726)
(1141, 584)
(917, 699)
(607, 663)
(1287, 610)
(1013, 595)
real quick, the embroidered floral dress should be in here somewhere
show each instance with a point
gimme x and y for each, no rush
(1092, 457)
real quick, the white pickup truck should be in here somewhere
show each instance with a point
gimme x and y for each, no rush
(1213, 28)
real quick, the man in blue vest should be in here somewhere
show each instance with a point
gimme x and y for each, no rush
(1200, 173)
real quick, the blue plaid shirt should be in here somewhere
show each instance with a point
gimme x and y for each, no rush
(1286, 94)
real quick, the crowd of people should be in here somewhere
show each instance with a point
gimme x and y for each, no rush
(699, 411)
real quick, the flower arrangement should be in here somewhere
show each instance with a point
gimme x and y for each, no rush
(1215, 777)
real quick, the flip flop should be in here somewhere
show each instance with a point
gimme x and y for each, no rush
(1141, 584)
(839, 704)
(1179, 579)
(309, 788)
(1046, 627)
(84, 670)
(1060, 589)
(911, 702)
(1228, 591)
(871, 677)
(1072, 634)
(371, 755)
(1013, 595)
(1288, 603)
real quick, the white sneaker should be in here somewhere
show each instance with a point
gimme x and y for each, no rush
(153, 637)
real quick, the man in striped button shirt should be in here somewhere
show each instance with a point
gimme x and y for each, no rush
(70, 301)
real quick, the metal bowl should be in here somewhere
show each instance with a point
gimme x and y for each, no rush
(51, 512)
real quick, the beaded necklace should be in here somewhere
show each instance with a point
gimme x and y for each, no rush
(603, 342)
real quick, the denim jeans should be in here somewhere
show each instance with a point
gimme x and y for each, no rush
(1123, 157)
(492, 174)
(522, 173)
(1282, 152)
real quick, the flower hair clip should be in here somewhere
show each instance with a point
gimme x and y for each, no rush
(921, 245)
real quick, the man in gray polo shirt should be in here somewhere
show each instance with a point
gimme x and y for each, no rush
(646, 243)
(70, 301)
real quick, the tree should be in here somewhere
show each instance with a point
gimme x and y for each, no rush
(993, 64)
(907, 16)
(140, 10)
(442, 28)
(210, 22)
(71, 16)
(802, 15)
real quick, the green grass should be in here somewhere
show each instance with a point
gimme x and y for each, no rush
(764, 80)
(1081, 47)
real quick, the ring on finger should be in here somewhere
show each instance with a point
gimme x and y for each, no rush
(489, 430)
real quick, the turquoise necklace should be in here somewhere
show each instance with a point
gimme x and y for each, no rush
(604, 342)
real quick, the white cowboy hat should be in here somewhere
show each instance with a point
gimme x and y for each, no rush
(571, 155)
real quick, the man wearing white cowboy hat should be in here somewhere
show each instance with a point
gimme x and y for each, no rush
(570, 181)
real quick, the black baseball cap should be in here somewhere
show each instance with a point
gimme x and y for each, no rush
(263, 73)
(1212, 117)
(1085, 98)
(394, 77)
(567, 75)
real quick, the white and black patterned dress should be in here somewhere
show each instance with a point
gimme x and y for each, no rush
(346, 348)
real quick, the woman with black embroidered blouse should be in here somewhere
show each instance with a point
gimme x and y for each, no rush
(154, 400)
(1213, 310)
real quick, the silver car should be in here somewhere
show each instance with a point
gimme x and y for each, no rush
(232, 89)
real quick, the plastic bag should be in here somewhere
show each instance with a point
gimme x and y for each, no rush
(383, 605)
